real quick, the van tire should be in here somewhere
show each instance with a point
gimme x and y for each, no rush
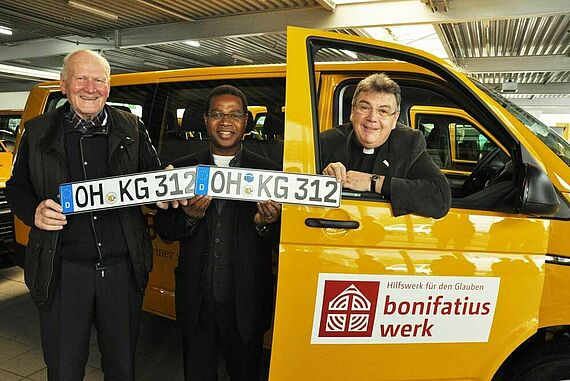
(16, 254)
(549, 363)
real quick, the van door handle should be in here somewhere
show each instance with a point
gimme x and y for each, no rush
(336, 224)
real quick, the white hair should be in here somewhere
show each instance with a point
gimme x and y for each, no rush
(96, 55)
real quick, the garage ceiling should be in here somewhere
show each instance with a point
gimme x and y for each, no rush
(527, 42)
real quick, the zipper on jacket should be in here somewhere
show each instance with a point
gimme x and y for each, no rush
(56, 241)
(52, 264)
(91, 214)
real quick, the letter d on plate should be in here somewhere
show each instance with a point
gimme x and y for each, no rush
(66, 192)
(202, 180)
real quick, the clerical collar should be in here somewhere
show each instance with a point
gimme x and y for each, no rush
(368, 151)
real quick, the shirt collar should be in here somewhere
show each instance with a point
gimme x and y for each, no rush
(76, 123)
(235, 162)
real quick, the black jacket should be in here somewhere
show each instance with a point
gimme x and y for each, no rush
(417, 185)
(252, 266)
(41, 166)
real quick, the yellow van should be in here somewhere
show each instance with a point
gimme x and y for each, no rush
(9, 122)
(481, 294)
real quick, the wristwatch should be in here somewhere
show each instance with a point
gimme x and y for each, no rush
(373, 180)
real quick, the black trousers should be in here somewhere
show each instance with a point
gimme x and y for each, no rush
(109, 299)
(217, 331)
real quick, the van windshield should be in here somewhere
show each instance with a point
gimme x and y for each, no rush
(547, 135)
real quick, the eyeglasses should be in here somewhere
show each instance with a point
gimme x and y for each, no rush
(364, 109)
(233, 116)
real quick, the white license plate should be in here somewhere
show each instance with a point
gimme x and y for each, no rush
(120, 191)
(182, 183)
(260, 185)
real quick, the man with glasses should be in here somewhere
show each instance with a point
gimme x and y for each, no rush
(375, 153)
(224, 279)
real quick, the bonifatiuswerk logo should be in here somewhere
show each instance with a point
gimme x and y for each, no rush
(348, 308)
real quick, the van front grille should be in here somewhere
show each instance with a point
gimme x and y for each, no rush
(6, 220)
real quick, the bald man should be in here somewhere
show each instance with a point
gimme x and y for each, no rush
(88, 268)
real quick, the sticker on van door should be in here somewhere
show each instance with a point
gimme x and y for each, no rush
(389, 309)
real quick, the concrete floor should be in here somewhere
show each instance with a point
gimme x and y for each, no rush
(158, 352)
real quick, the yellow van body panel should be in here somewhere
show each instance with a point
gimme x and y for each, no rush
(5, 164)
(554, 301)
(6, 148)
(159, 294)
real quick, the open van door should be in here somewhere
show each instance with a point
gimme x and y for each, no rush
(364, 295)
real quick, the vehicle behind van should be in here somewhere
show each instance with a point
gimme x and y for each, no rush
(479, 294)
(9, 123)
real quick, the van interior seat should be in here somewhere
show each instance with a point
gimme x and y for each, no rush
(274, 125)
(468, 150)
(189, 138)
(193, 122)
(250, 126)
(171, 123)
(272, 145)
(437, 143)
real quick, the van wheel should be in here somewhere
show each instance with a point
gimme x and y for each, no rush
(550, 363)
(17, 259)
(16, 254)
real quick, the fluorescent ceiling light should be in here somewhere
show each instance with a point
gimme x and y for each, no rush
(157, 65)
(28, 73)
(237, 57)
(162, 9)
(350, 53)
(5, 30)
(90, 9)
(193, 43)
(421, 37)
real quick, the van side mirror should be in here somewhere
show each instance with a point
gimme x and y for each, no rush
(537, 194)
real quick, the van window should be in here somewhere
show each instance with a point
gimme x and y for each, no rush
(413, 92)
(9, 126)
(455, 144)
(173, 114)
(128, 107)
(136, 99)
(548, 136)
(178, 127)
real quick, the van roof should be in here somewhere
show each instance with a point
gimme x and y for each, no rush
(246, 71)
